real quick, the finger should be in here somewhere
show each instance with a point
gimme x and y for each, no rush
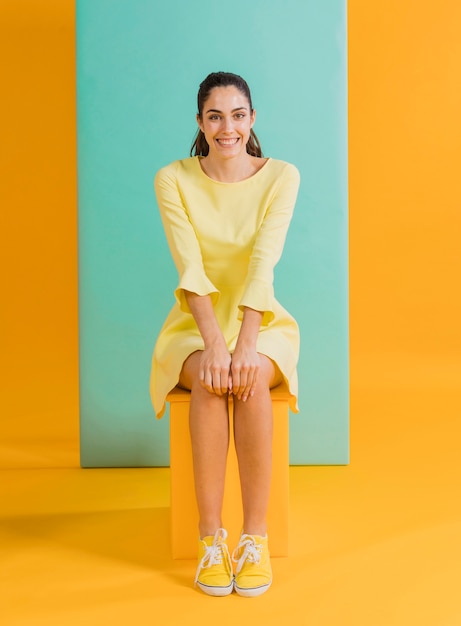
(208, 381)
(201, 377)
(244, 383)
(220, 378)
(224, 382)
(217, 382)
(247, 388)
(253, 384)
(235, 382)
(250, 383)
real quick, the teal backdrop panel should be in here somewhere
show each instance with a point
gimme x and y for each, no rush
(139, 65)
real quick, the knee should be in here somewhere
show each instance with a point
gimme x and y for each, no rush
(189, 375)
(206, 399)
(269, 374)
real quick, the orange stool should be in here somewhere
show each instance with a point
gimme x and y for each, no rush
(184, 515)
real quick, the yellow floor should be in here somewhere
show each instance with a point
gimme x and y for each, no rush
(376, 543)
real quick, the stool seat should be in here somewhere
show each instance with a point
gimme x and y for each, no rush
(184, 514)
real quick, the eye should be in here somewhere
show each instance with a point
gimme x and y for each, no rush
(240, 116)
(214, 117)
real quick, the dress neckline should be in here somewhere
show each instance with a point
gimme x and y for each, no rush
(237, 182)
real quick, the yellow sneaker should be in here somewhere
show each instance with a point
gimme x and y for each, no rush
(214, 572)
(253, 574)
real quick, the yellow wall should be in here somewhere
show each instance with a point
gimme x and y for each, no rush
(405, 203)
(405, 195)
(38, 248)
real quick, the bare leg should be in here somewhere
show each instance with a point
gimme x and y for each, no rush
(209, 429)
(253, 442)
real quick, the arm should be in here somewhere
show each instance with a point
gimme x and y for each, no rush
(267, 250)
(245, 359)
(214, 373)
(256, 303)
(195, 292)
(182, 238)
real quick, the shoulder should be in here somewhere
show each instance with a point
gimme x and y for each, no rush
(177, 170)
(283, 168)
(281, 174)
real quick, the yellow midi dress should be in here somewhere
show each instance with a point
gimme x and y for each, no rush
(225, 239)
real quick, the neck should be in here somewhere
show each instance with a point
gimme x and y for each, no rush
(228, 170)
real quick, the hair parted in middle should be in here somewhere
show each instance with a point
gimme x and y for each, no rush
(200, 146)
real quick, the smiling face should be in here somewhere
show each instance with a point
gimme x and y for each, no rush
(226, 122)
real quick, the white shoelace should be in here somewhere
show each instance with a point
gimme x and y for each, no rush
(214, 553)
(250, 550)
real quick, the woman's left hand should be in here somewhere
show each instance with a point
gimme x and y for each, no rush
(244, 371)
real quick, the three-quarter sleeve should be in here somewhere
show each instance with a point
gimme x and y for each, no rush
(267, 250)
(182, 239)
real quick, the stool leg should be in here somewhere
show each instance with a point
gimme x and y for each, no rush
(183, 507)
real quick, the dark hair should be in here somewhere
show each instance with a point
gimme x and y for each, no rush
(200, 146)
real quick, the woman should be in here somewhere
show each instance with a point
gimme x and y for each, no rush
(226, 212)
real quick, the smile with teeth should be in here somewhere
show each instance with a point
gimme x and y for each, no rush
(228, 142)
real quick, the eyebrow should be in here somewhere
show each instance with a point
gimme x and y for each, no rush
(233, 110)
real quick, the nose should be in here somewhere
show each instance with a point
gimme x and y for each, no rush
(228, 125)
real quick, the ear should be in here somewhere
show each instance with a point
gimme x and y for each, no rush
(253, 118)
(199, 122)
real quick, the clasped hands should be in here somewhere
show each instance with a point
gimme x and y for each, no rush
(236, 373)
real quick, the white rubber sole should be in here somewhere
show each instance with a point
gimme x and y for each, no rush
(216, 591)
(252, 592)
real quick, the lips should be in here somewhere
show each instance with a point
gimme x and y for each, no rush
(228, 142)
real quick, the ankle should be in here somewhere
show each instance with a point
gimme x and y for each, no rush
(259, 530)
(208, 530)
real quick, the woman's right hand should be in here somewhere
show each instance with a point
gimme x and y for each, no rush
(214, 373)
(215, 361)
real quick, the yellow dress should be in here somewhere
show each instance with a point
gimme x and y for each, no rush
(225, 239)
